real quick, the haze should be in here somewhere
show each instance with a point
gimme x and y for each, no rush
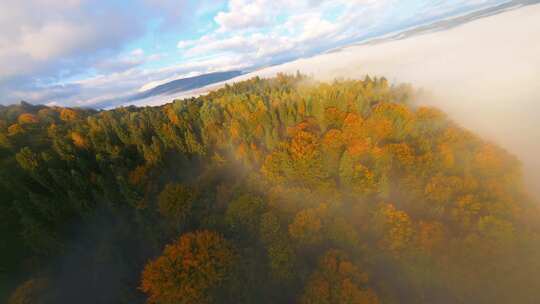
(485, 74)
(296, 188)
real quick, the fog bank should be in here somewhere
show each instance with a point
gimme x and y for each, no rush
(485, 74)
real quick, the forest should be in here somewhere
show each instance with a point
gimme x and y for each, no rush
(281, 190)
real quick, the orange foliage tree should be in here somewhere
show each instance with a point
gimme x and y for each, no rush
(79, 140)
(68, 114)
(337, 280)
(33, 291)
(190, 270)
(27, 118)
(398, 229)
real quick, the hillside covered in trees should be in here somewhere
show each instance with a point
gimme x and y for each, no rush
(268, 191)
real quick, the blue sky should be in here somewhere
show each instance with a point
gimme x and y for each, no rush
(79, 52)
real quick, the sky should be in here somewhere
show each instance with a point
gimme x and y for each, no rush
(81, 52)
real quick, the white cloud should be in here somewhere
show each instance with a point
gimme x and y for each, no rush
(43, 38)
(46, 41)
(213, 44)
(54, 39)
(250, 14)
(274, 30)
(244, 14)
(123, 62)
(304, 28)
(113, 85)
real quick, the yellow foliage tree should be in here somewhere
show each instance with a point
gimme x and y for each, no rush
(68, 114)
(398, 229)
(79, 140)
(15, 129)
(27, 119)
(308, 224)
(190, 270)
(336, 281)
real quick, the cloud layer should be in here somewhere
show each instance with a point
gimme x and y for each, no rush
(78, 52)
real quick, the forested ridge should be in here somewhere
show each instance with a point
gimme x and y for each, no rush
(281, 190)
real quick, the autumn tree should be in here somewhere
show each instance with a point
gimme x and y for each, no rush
(32, 291)
(15, 129)
(397, 227)
(190, 270)
(316, 158)
(338, 280)
(68, 114)
(27, 118)
(307, 226)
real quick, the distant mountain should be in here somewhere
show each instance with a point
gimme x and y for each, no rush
(170, 88)
(186, 84)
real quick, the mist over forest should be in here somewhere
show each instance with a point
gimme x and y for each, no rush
(483, 73)
(279, 190)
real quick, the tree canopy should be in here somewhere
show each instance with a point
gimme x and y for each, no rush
(281, 190)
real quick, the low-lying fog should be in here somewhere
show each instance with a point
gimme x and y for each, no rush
(485, 74)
